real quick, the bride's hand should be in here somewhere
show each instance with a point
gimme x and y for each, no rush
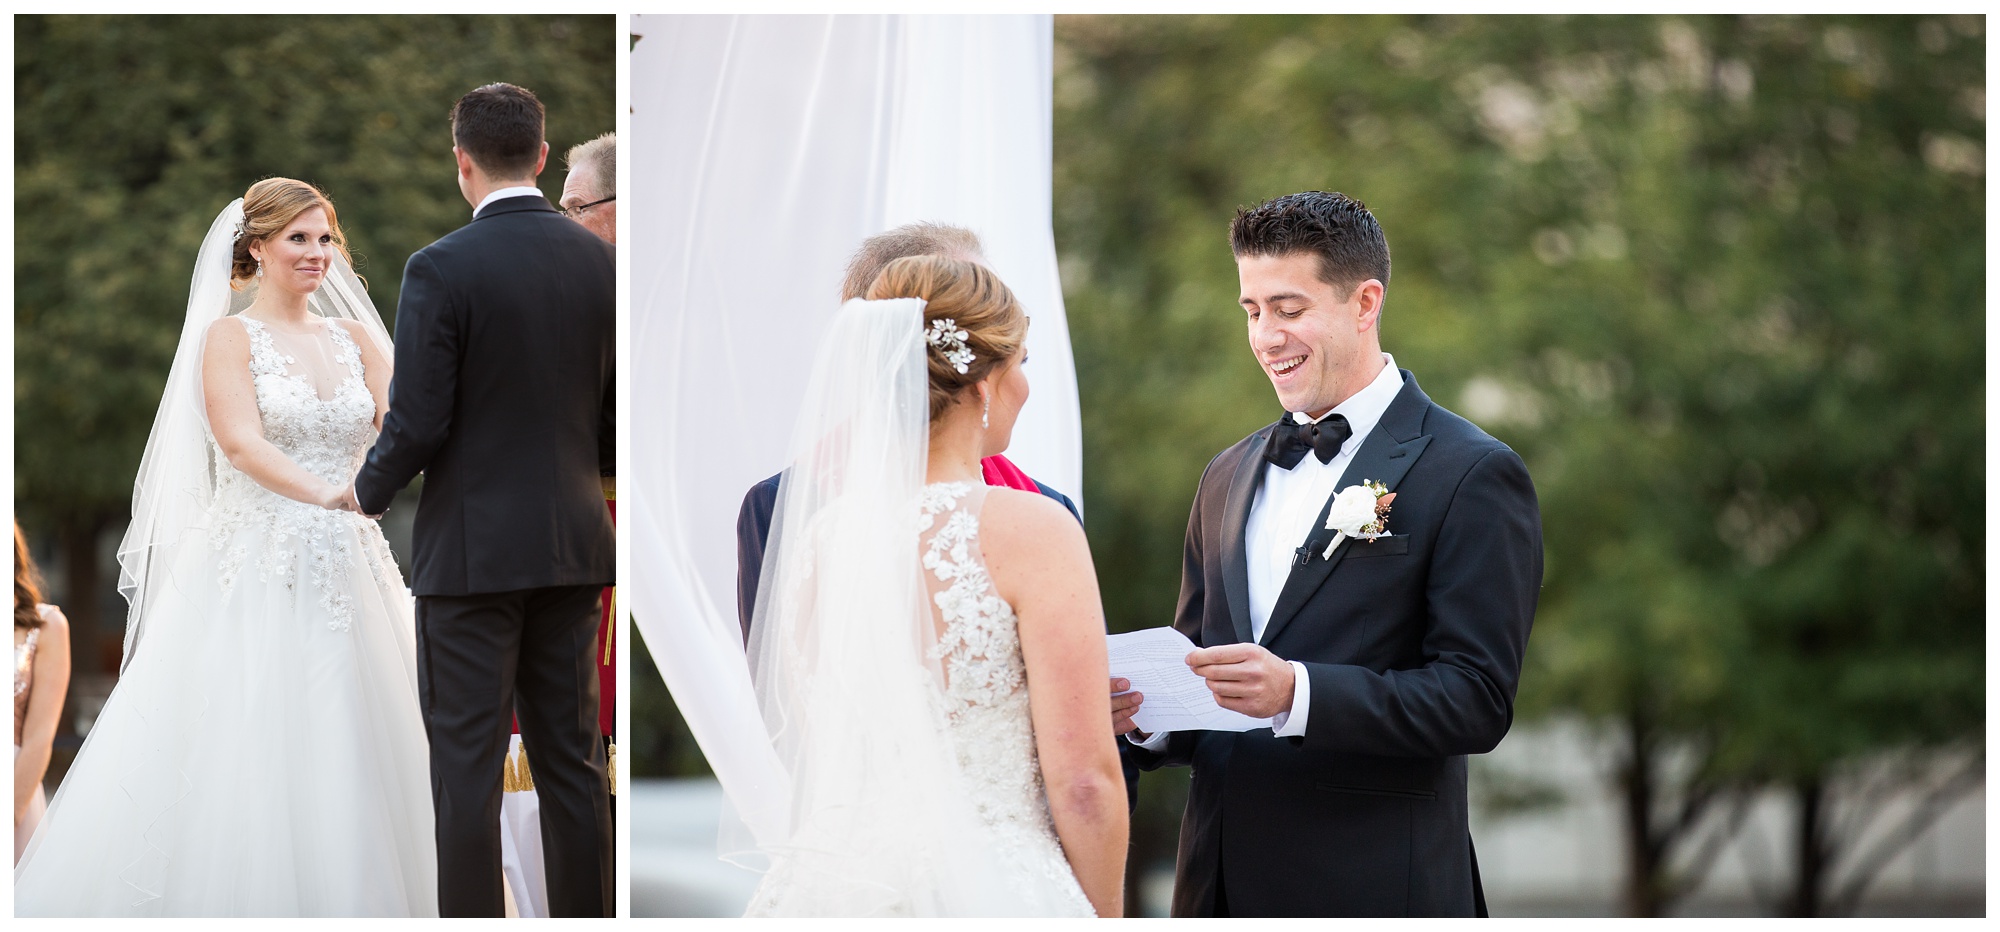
(338, 498)
(1124, 704)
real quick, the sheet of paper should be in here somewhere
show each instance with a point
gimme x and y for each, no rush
(1155, 660)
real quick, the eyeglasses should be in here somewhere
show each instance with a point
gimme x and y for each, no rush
(571, 212)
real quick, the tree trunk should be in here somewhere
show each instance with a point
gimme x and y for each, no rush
(1808, 899)
(80, 604)
(1642, 892)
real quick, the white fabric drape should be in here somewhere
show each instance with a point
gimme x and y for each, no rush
(521, 846)
(765, 148)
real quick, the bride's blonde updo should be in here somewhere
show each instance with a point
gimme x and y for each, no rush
(977, 303)
(270, 206)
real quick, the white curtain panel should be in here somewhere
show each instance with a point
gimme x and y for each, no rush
(764, 149)
(521, 846)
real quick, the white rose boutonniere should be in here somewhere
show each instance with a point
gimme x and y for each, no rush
(1359, 511)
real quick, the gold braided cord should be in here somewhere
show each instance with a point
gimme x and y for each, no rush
(514, 774)
(516, 778)
(612, 627)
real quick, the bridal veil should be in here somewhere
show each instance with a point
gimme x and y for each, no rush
(877, 819)
(177, 474)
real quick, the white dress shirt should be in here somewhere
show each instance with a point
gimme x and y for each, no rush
(518, 190)
(1282, 515)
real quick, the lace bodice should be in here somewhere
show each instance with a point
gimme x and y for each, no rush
(986, 680)
(325, 435)
(24, 679)
(328, 436)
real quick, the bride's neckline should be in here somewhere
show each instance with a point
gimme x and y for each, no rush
(973, 476)
(315, 326)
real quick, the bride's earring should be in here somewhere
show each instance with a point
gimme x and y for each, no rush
(985, 408)
(260, 268)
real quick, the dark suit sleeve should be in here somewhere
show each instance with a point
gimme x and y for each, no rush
(1060, 499)
(607, 424)
(1486, 573)
(423, 392)
(753, 530)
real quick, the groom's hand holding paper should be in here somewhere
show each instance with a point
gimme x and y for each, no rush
(1154, 662)
(1246, 678)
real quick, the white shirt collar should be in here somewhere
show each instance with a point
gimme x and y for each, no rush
(518, 190)
(1364, 408)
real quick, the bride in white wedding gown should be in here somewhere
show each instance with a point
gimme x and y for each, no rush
(263, 753)
(928, 653)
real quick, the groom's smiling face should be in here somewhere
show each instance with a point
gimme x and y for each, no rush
(1312, 338)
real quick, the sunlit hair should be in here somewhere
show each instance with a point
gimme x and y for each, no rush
(600, 157)
(268, 208)
(1338, 229)
(910, 239)
(975, 300)
(27, 584)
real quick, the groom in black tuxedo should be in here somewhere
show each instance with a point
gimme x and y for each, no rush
(1382, 663)
(502, 398)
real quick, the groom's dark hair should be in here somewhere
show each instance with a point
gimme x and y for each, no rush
(500, 127)
(1335, 227)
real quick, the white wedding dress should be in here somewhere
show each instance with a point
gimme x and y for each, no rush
(986, 704)
(263, 753)
(887, 671)
(983, 703)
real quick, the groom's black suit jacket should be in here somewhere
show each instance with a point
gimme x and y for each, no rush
(502, 398)
(1413, 647)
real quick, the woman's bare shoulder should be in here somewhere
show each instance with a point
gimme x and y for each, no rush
(52, 617)
(229, 331)
(1026, 511)
(1017, 525)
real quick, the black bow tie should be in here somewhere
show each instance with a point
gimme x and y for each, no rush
(1290, 440)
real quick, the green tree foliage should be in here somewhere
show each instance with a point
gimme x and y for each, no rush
(132, 132)
(1719, 280)
(662, 745)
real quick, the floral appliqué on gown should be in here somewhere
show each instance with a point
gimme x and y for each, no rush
(986, 693)
(263, 753)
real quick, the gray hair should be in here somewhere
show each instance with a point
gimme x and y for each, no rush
(910, 239)
(600, 157)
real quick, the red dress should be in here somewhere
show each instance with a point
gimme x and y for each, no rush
(607, 658)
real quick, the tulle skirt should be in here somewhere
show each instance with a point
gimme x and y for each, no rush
(263, 754)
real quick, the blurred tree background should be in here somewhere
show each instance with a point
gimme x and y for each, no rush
(132, 132)
(1719, 280)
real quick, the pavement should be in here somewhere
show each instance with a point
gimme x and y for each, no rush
(675, 872)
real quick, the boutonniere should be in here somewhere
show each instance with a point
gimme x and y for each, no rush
(1359, 511)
